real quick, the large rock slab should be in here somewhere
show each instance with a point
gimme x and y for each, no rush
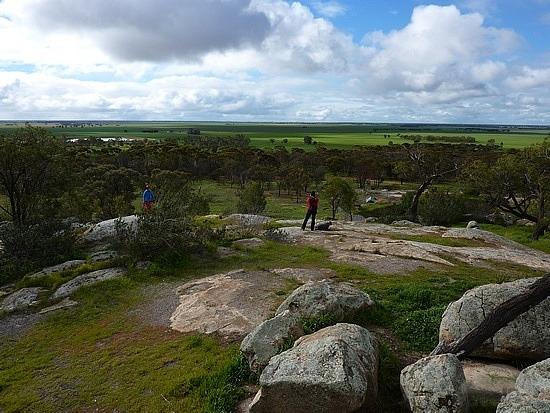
(247, 219)
(88, 279)
(435, 384)
(105, 230)
(66, 266)
(305, 275)
(248, 243)
(332, 370)
(314, 299)
(527, 337)
(488, 381)
(270, 338)
(230, 304)
(380, 249)
(532, 393)
(21, 299)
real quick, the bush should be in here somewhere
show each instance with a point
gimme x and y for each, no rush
(252, 199)
(29, 248)
(169, 229)
(390, 212)
(438, 207)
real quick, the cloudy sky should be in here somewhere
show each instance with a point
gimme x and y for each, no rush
(467, 61)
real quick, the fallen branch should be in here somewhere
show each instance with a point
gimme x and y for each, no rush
(500, 317)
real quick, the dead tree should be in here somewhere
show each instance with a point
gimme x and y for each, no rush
(497, 319)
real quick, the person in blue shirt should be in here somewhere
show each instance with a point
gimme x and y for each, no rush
(148, 198)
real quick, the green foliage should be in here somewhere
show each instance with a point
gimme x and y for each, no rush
(31, 174)
(439, 207)
(170, 228)
(340, 194)
(28, 248)
(252, 199)
(388, 213)
(311, 325)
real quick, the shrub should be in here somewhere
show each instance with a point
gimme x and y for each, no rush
(252, 199)
(29, 248)
(169, 229)
(442, 208)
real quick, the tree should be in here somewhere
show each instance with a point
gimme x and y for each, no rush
(252, 199)
(340, 194)
(518, 184)
(308, 140)
(425, 165)
(31, 165)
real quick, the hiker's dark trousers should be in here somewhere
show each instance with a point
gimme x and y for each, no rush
(310, 213)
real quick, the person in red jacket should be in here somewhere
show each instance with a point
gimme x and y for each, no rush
(312, 203)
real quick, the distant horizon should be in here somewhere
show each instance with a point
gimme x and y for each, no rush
(538, 126)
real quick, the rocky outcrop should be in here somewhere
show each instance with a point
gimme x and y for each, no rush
(405, 223)
(332, 370)
(21, 299)
(316, 299)
(270, 338)
(472, 225)
(65, 303)
(435, 384)
(230, 304)
(380, 249)
(247, 219)
(249, 243)
(104, 255)
(532, 393)
(66, 266)
(527, 337)
(88, 279)
(488, 381)
(105, 230)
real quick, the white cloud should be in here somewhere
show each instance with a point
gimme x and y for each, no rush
(441, 49)
(329, 8)
(282, 63)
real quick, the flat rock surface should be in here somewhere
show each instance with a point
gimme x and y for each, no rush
(489, 381)
(104, 230)
(234, 303)
(88, 279)
(66, 266)
(65, 303)
(21, 299)
(230, 304)
(378, 247)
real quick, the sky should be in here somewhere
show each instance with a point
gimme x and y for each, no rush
(462, 61)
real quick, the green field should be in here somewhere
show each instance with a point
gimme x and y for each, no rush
(261, 134)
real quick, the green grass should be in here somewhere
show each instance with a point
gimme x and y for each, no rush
(520, 234)
(224, 197)
(331, 135)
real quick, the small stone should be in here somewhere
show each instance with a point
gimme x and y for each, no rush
(103, 256)
(472, 225)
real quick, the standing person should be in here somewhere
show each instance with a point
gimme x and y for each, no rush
(312, 203)
(148, 199)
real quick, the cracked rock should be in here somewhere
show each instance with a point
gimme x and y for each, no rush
(525, 338)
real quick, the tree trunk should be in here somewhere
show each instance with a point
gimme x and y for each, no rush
(541, 225)
(413, 209)
(497, 319)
